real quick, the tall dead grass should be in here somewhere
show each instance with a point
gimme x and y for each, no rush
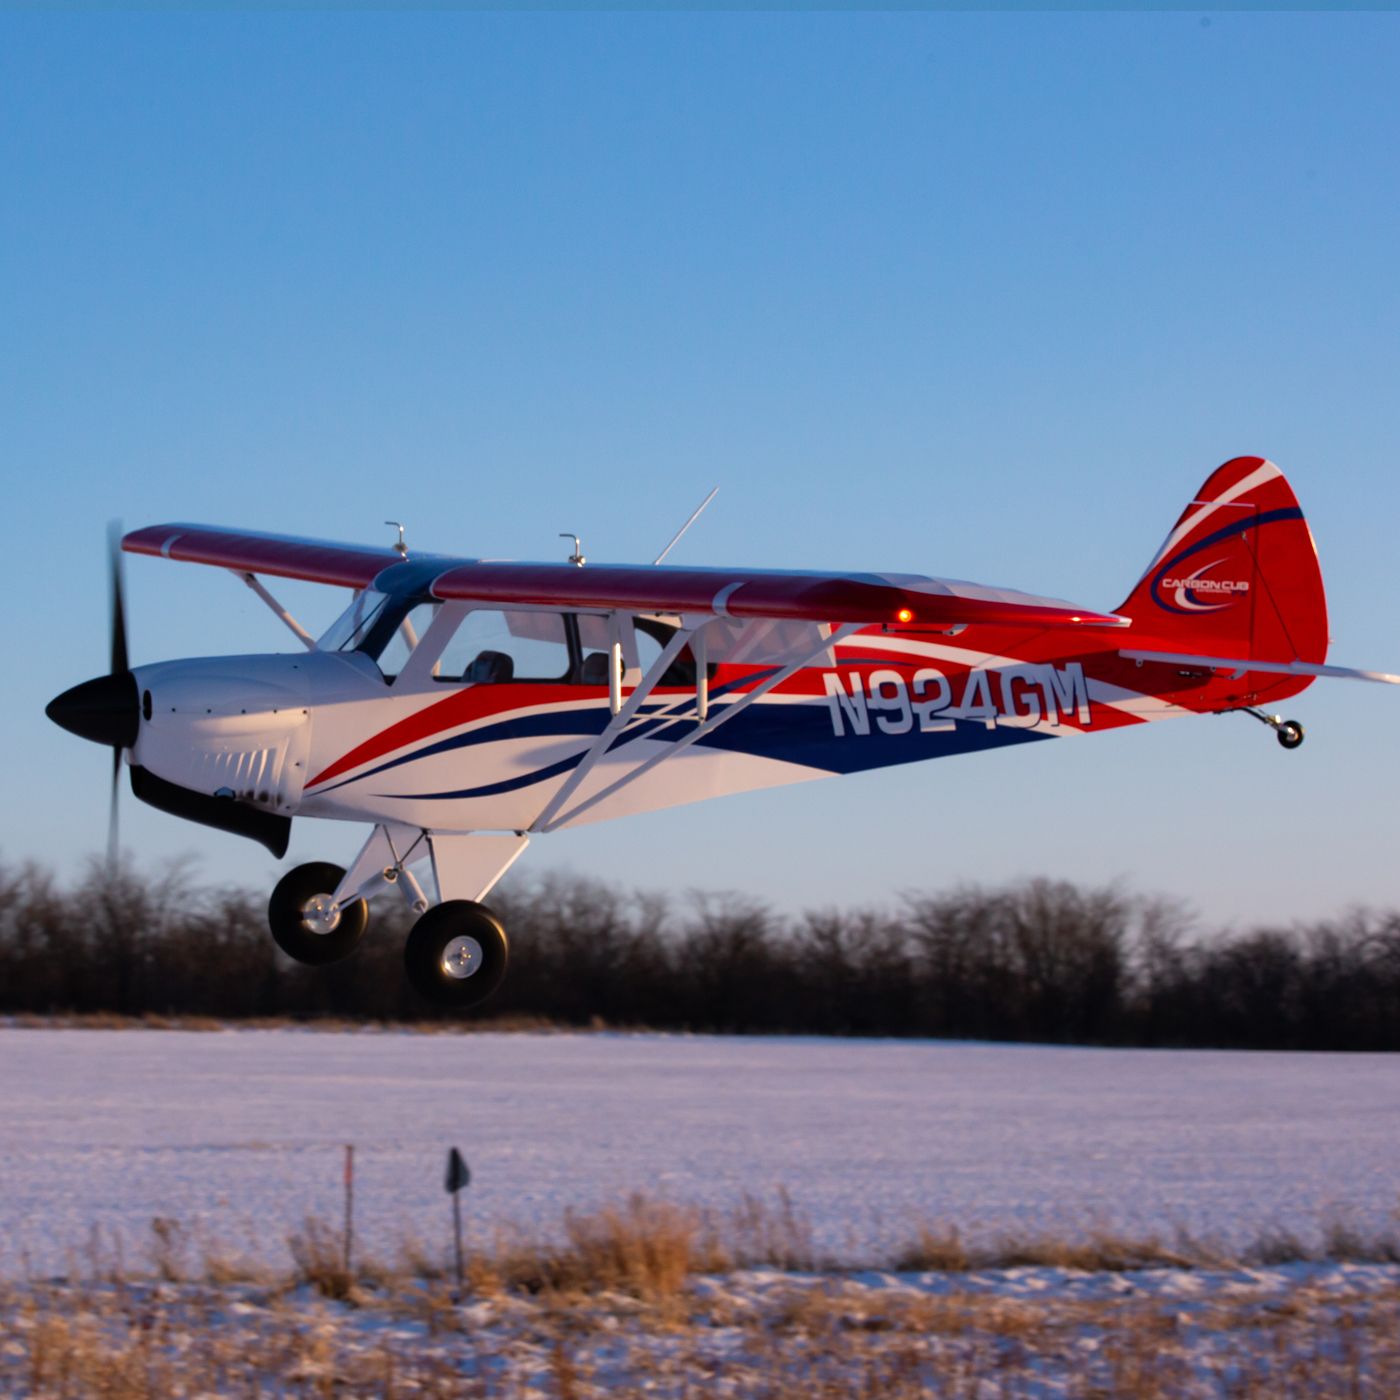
(643, 1247)
(942, 1248)
(649, 1249)
(813, 1338)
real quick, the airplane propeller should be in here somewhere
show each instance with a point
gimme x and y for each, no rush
(106, 709)
(119, 667)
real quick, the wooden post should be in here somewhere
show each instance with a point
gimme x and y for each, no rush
(457, 1236)
(349, 1206)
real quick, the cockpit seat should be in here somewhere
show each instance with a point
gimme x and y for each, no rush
(490, 668)
(595, 668)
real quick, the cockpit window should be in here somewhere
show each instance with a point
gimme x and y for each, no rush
(405, 637)
(384, 628)
(491, 648)
(652, 636)
(349, 630)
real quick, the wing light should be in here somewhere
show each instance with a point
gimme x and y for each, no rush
(905, 615)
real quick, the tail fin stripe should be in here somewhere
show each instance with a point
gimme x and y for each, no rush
(1267, 472)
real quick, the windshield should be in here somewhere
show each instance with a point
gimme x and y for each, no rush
(349, 630)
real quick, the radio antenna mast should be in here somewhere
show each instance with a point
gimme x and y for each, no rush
(694, 516)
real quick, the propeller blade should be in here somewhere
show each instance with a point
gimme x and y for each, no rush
(118, 586)
(120, 666)
(113, 830)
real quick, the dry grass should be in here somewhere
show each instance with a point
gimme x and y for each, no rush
(755, 1232)
(934, 1247)
(809, 1339)
(336, 1025)
(319, 1256)
(1343, 1240)
(1340, 1240)
(650, 1248)
(942, 1248)
(115, 1021)
(649, 1297)
(939, 1247)
(647, 1249)
(1100, 1250)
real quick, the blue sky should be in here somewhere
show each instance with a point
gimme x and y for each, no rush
(976, 295)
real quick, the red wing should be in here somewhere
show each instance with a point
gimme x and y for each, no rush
(284, 556)
(896, 599)
(863, 598)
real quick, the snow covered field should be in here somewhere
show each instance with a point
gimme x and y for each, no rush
(239, 1134)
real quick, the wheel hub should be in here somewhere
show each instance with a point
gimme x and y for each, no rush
(320, 914)
(461, 958)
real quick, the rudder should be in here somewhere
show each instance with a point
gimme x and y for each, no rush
(1238, 574)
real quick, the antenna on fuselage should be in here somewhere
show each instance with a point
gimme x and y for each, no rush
(694, 516)
(400, 547)
(577, 556)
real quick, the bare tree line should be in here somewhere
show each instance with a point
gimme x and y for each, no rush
(1036, 960)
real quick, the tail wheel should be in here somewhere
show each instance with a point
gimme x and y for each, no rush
(456, 954)
(306, 922)
(1290, 733)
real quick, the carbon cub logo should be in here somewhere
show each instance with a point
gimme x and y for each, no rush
(1192, 593)
(1207, 585)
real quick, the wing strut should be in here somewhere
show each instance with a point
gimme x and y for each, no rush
(547, 821)
(297, 630)
(622, 717)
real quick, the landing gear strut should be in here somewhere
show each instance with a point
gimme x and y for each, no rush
(1288, 731)
(456, 953)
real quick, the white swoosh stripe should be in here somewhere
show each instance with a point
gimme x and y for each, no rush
(976, 660)
(1266, 472)
(1116, 697)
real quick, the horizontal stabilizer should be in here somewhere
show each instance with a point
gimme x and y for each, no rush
(1239, 666)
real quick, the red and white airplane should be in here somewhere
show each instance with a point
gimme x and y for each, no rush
(463, 706)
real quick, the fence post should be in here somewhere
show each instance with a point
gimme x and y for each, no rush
(349, 1206)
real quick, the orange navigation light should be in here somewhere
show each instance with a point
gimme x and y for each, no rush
(904, 615)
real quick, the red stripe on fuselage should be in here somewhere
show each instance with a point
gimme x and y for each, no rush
(480, 702)
(458, 708)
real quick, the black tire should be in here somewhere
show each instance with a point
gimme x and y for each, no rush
(287, 916)
(428, 954)
(1290, 733)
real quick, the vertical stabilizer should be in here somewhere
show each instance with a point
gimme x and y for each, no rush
(1238, 574)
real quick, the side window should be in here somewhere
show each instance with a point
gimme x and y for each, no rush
(491, 648)
(652, 636)
(405, 637)
(593, 646)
